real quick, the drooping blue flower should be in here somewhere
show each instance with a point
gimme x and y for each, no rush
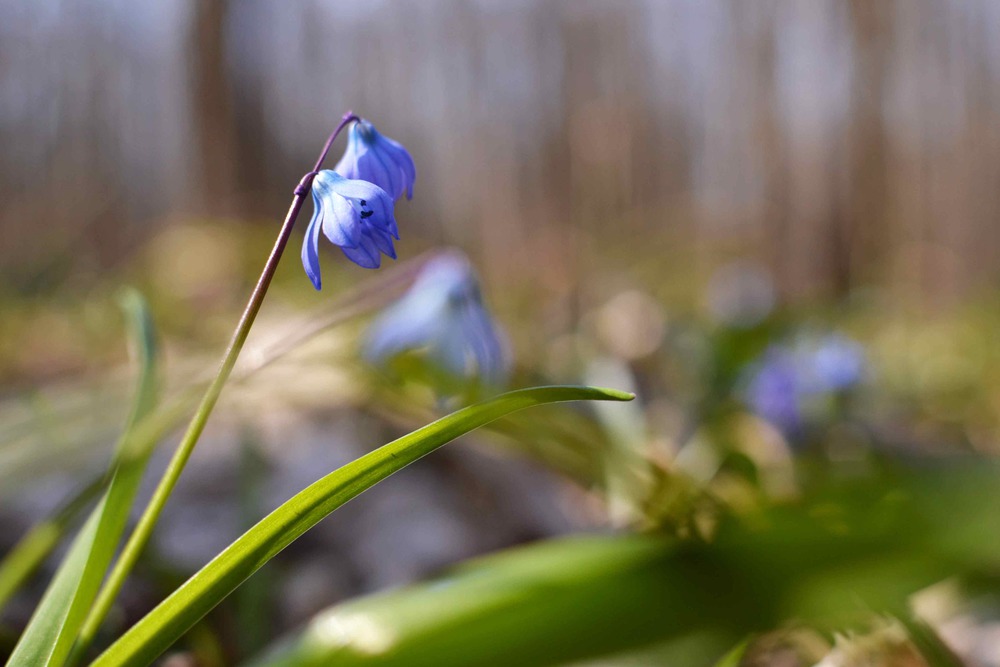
(355, 215)
(375, 158)
(443, 314)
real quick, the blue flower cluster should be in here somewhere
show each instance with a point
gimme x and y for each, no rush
(443, 314)
(353, 203)
(783, 384)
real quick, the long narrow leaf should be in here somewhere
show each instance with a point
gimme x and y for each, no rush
(53, 627)
(549, 603)
(175, 615)
(832, 560)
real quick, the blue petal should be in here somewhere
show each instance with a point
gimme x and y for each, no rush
(310, 246)
(408, 325)
(442, 314)
(375, 167)
(347, 187)
(449, 350)
(382, 241)
(383, 218)
(323, 181)
(364, 134)
(341, 222)
(372, 157)
(365, 255)
(486, 348)
(401, 157)
(332, 186)
(348, 164)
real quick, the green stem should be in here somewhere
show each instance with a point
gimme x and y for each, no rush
(144, 528)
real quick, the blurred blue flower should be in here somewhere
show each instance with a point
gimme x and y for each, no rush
(838, 363)
(377, 159)
(443, 314)
(774, 390)
(791, 384)
(355, 215)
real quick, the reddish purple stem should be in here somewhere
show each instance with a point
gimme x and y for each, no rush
(303, 187)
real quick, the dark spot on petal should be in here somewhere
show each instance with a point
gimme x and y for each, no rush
(364, 203)
(367, 214)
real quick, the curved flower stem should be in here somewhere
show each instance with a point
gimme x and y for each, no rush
(144, 528)
(349, 117)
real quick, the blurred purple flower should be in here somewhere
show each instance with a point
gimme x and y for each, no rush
(355, 215)
(790, 381)
(838, 363)
(443, 313)
(774, 391)
(377, 159)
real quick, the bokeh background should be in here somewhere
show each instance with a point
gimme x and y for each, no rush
(652, 191)
(839, 144)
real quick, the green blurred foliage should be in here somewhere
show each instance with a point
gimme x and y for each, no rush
(890, 491)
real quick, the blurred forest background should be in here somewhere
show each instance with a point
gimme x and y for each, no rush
(634, 170)
(840, 144)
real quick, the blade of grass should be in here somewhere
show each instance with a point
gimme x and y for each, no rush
(29, 553)
(175, 615)
(145, 433)
(54, 626)
(734, 656)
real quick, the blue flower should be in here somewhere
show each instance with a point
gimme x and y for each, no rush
(838, 363)
(377, 159)
(792, 385)
(775, 390)
(443, 314)
(355, 215)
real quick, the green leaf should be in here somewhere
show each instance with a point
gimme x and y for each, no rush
(735, 656)
(831, 560)
(553, 602)
(54, 626)
(175, 615)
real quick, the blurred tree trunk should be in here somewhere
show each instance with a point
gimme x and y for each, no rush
(771, 141)
(212, 110)
(860, 248)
